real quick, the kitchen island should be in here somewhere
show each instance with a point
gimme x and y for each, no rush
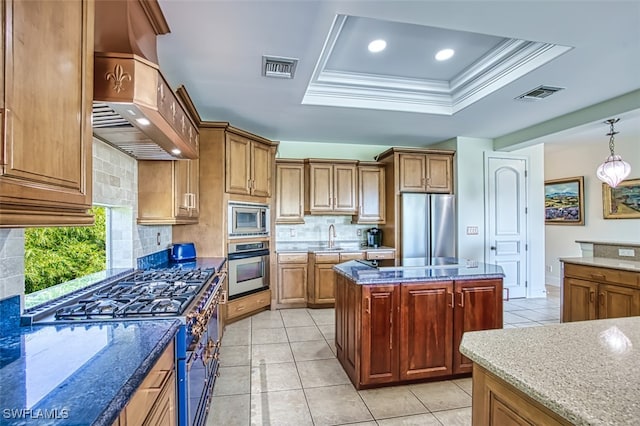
(579, 373)
(404, 324)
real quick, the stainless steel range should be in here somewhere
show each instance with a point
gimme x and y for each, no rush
(189, 293)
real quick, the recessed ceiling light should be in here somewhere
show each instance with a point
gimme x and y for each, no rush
(377, 46)
(175, 151)
(444, 54)
(143, 121)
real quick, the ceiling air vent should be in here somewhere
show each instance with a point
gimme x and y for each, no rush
(279, 67)
(539, 92)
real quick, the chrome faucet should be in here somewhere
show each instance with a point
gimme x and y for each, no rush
(331, 227)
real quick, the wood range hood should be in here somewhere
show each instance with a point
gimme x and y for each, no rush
(134, 109)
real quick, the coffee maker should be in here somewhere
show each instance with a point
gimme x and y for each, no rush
(374, 237)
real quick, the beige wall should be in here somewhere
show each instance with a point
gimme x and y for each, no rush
(562, 161)
(345, 151)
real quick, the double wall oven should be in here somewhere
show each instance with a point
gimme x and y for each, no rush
(248, 268)
(248, 248)
(187, 292)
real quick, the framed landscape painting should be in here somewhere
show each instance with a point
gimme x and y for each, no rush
(623, 201)
(564, 201)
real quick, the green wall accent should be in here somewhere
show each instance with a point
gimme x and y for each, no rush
(601, 111)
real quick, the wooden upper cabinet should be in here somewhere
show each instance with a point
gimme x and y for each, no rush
(439, 173)
(371, 199)
(248, 166)
(168, 192)
(425, 172)
(261, 169)
(331, 186)
(289, 191)
(413, 173)
(47, 86)
(238, 165)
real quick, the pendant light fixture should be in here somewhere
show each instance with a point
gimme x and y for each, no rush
(614, 170)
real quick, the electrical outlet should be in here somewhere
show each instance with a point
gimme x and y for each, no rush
(626, 252)
(472, 230)
(549, 268)
(359, 232)
(292, 232)
(158, 238)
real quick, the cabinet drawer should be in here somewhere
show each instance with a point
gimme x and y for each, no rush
(248, 304)
(327, 257)
(351, 256)
(145, 397)
(381, 254)
(292, 257)
(602, 274)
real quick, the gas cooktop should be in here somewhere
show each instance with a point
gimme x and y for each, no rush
(153, 292)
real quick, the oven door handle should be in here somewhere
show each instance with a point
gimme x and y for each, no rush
(249, 254)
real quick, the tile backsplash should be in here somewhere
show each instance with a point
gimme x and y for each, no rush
(316, 229)
(153, 260)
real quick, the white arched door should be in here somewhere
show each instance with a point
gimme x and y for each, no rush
(506, 243)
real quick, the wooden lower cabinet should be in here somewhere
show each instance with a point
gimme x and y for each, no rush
(154, 403)
(426, 330)
(247, 305)
(379, 338)
(579, 300)
(590, 293)
(497, 403)
(322, 278)
(478, 307)
(406, 332)
(292, 280)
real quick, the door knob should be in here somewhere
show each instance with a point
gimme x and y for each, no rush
(492, 247)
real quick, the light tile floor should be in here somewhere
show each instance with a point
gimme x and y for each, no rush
(279, 368)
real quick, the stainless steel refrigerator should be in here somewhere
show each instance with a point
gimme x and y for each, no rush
(428, 229)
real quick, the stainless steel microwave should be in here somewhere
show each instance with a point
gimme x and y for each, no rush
(248, 219)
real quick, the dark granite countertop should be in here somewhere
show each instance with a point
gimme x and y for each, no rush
(362, 273)
(315, 246)
(76, 374)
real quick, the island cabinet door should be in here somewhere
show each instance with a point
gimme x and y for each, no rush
(341, 291)
(379, 356)
(478, 307)
(426, 330)
(579, 300)
(616, 301)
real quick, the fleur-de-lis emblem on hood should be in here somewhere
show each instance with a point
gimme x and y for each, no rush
(118, 76)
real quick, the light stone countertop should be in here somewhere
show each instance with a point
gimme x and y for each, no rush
(612, 243)
(604, 262)
(587, 371)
